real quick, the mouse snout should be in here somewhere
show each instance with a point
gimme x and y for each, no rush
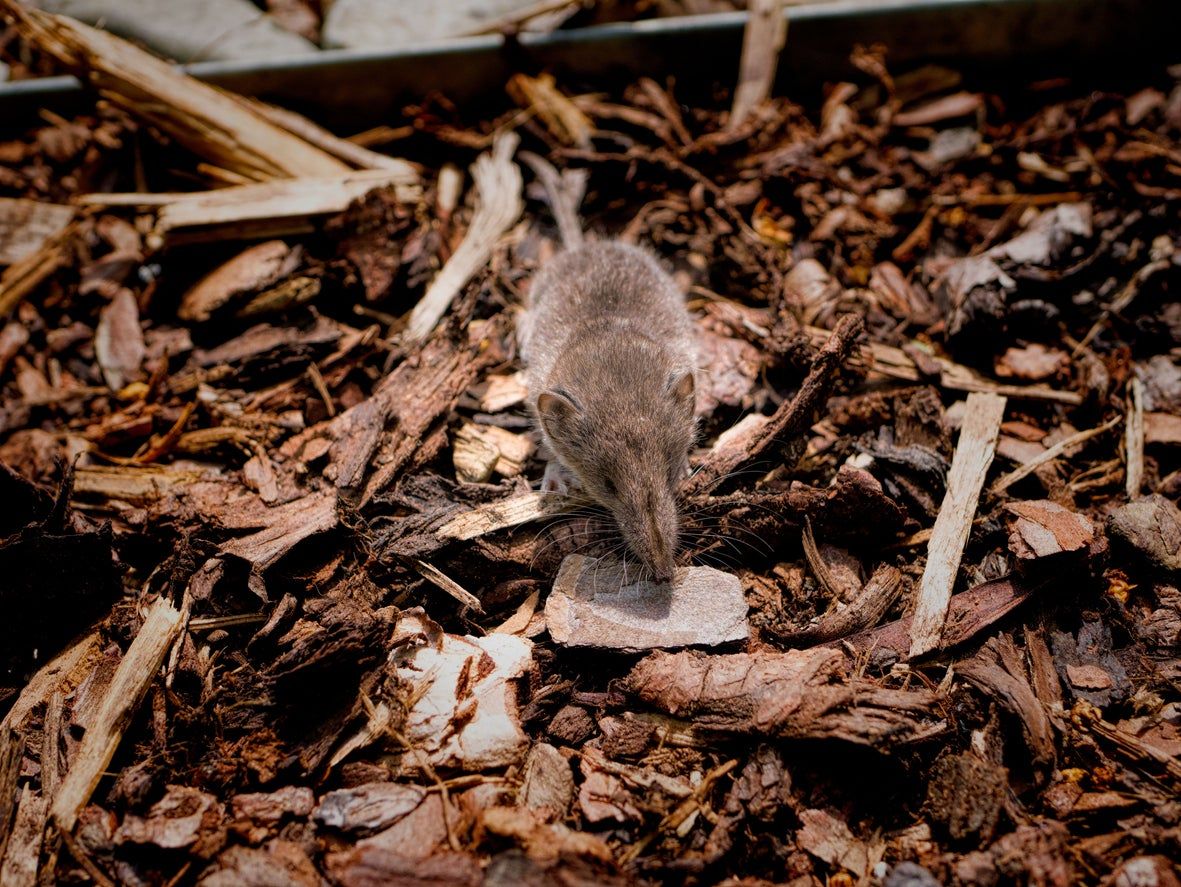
(650, 526)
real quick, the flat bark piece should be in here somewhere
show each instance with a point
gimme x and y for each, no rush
(1162, 429)
(829, 839)
(969, 467)
(502, 514)
(50, 678)
(547, 784)
(272, 807)
(498, 205)
(418, 834)
(1152, 526)
(368, 807)
(279, 862)
(479, 450)
(796, 694)
(1044, 528)
(370, 865)
(26, 225)
(465, 715)
(132, 679)
(544, 840)
(968, 614)
(206, 121)
(283, 527)
(119, 340)
(259, 266)
(184, 818)
(591, 606)
(503, 392)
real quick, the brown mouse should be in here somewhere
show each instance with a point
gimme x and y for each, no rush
(609, 349)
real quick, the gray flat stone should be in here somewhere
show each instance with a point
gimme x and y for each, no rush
(378, 24)
(590, 606)
(188, 31)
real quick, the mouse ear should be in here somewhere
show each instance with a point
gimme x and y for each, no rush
(556, 412)
(683, 388)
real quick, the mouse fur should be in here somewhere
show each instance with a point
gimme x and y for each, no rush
(609, 348)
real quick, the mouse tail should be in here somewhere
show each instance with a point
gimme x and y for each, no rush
(564, 193)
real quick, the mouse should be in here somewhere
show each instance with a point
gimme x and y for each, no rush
(608, 345)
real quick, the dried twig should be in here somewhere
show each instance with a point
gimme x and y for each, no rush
(1049, 455)
(973, 455)
(791, 417)
(444, 582)
(874, 600)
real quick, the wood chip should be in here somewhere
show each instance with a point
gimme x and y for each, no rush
(26, 225)
(969, 467)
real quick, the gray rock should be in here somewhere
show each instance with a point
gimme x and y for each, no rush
(590, 606)
(910, 874)
(386, 24)
(186, 31)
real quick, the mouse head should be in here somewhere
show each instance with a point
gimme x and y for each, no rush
(628, 447)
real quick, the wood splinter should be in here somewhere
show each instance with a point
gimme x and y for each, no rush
(969, 466)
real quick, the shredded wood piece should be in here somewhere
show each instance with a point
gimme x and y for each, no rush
(762, 41)
(973, 455)
(21, 278)
(444, 582)
(498, 205)
(500, 515)
(205, 120)
(19, 867)
(131, 681)
(257, 210)
(49, 679)
(1135, 438)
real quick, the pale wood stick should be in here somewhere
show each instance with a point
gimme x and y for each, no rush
(441, 580)
(1135, 438)
(493, 516)
(131, 681)
(498, 205)
(969, 466)
(762, 41)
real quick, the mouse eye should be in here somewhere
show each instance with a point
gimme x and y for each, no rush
(609, 486)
